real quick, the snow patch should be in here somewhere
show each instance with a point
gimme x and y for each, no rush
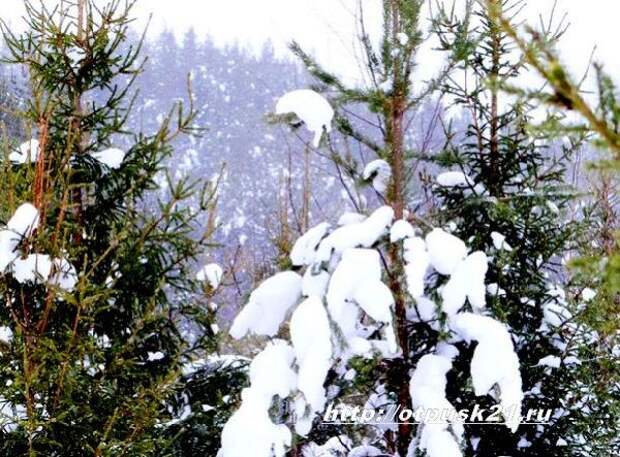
(311, 338)
(494, 363)
(28, 150)
(361, 234)
(63, 275)
(400, 230)
(268, 305)
(380, 172)
(466, 282)
(24, 221)
(454, 179)
(417, 261)
(311, 107)
(304, 249)
(271, 374)
(112, 157)
(428, 391)
(33, 268)
(499, 241)
(212, 273)
(445, 250)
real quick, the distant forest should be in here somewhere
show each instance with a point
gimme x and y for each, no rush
(271, 187)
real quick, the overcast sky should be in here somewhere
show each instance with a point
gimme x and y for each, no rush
(326, 26)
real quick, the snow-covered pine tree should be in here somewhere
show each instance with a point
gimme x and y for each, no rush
(389, 103)
(342, 319)
(99, 304)
(598, 266)
(377, 308)
(506, 194)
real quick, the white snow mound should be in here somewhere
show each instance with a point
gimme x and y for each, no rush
(268, 305)
(311, 107)
(494, 362)
(380, 172)
(112, 157)
(212, 273)
(445, 250)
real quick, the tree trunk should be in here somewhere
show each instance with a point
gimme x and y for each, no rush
(396, 198)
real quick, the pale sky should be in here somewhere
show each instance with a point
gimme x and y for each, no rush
(326, 27)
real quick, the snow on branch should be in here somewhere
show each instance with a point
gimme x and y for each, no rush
(494, 363)
(380, 172)
(311, 107)
(428, 391)
(268, 305)
(250, 430)
(347, 311)
(35, 267)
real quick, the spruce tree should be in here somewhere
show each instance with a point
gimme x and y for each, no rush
(388, 102)
(454, 335)
(506, 193)
(99, 306)
(367, 331)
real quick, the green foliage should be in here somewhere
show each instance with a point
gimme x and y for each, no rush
(517, 187)
(203, 402)
(92, 370)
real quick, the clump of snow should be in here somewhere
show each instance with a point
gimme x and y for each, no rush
(63, 275)
(250, 431)
(417, 261)
(271, 370)
(454, 179)
(271, 374)
(335, 446)
(356, 267)
(33, 268)
(555, 315)
(25, 151)
(402, 38)
(375, 298)
(445, 250)
(222, 360)
(588, 294)
(304, 249)
(311, 338)
(361, 234)
(212, 273)
(314, 283)
(556, 312)
(550, 361)
(351, 218)
(24, 221)
(112, 157)
(311, 107)
(8, 245)
(11, 414)
(400, 230)
(357, 278)
(494, 289)
(36, 268)
(466, 282)
(499, 241)
(6, 335)
(494, 363)
(428, 391)
(268, 305)
(380, 172)
(365, 451)
(425, 310)
(155, 356)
